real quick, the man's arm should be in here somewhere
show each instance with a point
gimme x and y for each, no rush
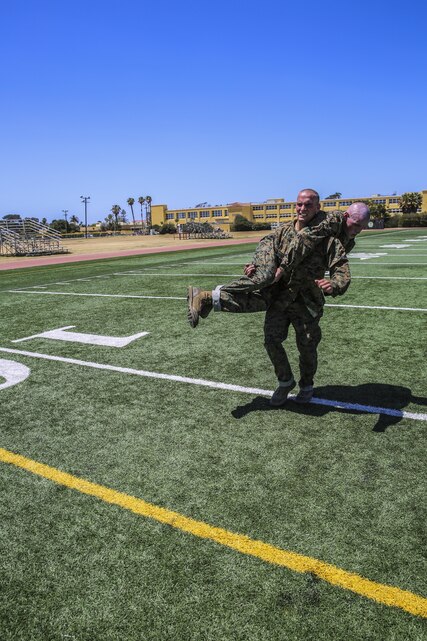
(306, 241)
(292, 253)
(339, 270)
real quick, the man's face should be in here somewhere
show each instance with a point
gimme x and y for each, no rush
(353, 226)
(307, 207)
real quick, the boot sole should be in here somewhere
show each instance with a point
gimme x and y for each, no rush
(192, 314)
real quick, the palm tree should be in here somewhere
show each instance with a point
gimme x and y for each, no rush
(116, 209)
(141, 201)
(109, 222)
(74, 219)
(130, 202)
(410, 202)
(334, 196)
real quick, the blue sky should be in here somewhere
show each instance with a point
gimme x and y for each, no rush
(208, 101)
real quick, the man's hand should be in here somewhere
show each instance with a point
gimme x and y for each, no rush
(325, 285)
(249, 270)
(278, 275)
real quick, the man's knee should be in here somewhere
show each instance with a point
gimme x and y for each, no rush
(308, 336)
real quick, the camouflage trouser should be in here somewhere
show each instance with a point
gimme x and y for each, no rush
(307, 333)
(244, 302)
(267, 259)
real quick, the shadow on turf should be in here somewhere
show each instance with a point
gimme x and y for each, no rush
(373, 394)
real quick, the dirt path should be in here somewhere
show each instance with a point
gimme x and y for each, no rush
(117, 246)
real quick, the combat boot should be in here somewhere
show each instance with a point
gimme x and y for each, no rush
(280, 396)
(199, 305)
(304, 395)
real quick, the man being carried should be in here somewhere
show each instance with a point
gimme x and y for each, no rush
(299, 300)
(280, 252)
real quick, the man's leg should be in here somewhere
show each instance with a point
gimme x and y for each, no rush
(266, 260)
(276, 328)
(201, 302)
(308, 335)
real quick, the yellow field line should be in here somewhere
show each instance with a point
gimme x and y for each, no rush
(385, 594)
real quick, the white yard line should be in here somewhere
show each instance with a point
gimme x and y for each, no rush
(201, 275)
(21, 291)
(391, 277)
(215, 384)
(400, 309)
(173, 274)
(355, 263)
(388, 254)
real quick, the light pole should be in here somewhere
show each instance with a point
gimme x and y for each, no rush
(148, 200)
(65, 212)
(85, 200)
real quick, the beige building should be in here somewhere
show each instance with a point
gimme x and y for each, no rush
(274, 210)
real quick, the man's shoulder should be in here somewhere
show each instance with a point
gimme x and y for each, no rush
(288, 225)
(284, 230)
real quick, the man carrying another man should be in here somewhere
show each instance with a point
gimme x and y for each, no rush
(294, 258)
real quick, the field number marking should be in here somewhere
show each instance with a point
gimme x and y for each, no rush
(364, 256)
(88, 339)
(13, 372)
(393, 246)
(385, 594)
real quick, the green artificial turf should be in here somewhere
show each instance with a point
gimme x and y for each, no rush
(342, 486)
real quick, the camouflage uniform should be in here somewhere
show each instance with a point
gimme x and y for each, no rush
(298, 302)
(276, 250)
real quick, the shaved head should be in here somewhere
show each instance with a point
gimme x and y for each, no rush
(356, 218)
(309, 192)
(359, 212)
(307, 206)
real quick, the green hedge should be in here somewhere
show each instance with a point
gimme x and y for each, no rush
(407, 220)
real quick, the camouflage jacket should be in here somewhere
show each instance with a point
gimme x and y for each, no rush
(328, 254)
(290, 255)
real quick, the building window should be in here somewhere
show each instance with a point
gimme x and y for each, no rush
(271, 207)
(258, 207)
(192, 215)
(345, 203)
(217, 212)
(258, 216)
(170, 216)
(204, 214)
(271, 216)
(181, 214)
(286, 206)
(394, 200)
(330, 204)
(379, 201)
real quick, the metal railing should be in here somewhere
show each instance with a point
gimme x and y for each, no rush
(26, 237)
